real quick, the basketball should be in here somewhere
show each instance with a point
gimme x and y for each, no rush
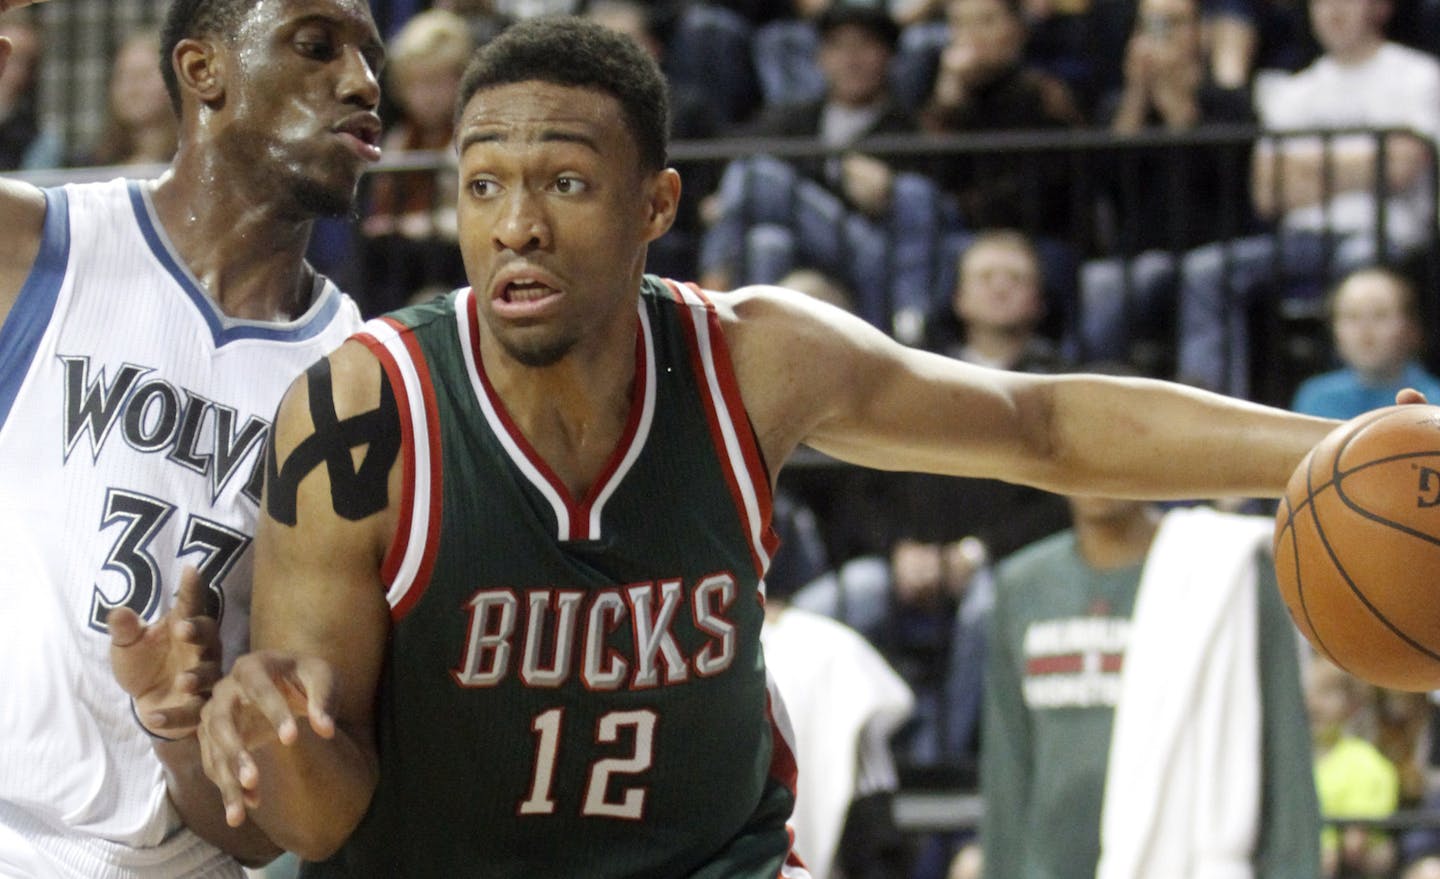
(1357, 547)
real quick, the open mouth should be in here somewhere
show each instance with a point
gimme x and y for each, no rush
(523, 290)
(363, 130)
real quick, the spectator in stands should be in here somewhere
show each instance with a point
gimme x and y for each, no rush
(24, 142)
(994, 315)
(1143, 703)
(481, 16)
(1375, 324)
(1164, 200)
(983, 85)
(924, 599)
(871, 225)
(709, 48)
(844, 702)
(140, 124)
(1354, 779)
(1247, 37)
(408, 226)
(692, 117)
(1321, 190)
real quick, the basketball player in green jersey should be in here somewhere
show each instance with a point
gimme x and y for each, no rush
(508, 579)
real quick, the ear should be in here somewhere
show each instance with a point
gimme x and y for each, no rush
(200, 69)
(661, 202)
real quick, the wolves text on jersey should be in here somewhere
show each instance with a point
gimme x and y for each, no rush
(577, 638)
(157, 417)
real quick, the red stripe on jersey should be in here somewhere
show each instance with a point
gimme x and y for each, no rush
(735, 403)
(782, 759)
(579, 511)
(399, 546)
(1070, 663)
(721, 357)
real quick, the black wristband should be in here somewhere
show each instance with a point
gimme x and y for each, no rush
(135, 713)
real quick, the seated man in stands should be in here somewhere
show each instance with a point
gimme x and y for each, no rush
(1167, 200)
(1322, 190)
(983, 85)
(869, 224)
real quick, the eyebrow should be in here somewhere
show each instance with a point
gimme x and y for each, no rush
(547, 136)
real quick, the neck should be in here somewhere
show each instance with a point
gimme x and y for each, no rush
(1358, 53)
(1119, 542)
(1386, 374)
(247, 254)
(573, 412)
(1003, 346)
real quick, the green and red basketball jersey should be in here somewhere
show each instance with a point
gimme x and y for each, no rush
(574, 686)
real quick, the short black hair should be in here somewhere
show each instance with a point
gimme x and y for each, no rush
(193, 18)
(570, 51)
(873, 18)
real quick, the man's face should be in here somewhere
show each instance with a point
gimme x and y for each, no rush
(555, 213)
(300, 96)
(999, 287)
(988, 29)
(856, 64)
(1344, 26)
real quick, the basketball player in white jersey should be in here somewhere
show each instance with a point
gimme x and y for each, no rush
(149, 329)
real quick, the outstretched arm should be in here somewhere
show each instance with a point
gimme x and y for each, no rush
(168, 669)
(812, 374)
(287, 734)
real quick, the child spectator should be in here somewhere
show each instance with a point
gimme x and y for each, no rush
(1352, 777)
(1377, 332)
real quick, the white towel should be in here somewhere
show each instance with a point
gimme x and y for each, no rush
(1182, 790)
(836, 688)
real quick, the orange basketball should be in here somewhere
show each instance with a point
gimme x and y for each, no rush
(1357, 547)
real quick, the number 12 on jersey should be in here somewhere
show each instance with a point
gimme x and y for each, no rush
(631, 801)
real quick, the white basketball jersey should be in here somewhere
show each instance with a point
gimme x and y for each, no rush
(133, 421)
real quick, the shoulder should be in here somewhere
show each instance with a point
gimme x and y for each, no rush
(1408, 58)
(787, 120)
(1054, 99)
(343, 383)
(1317, 389)
(22, 214)
(1029, 564)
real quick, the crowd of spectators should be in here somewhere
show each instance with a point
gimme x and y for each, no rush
(1193, 197)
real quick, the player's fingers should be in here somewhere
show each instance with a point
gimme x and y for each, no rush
(317, 678)
(198, 679)
(219, 744)
(202, 632)
(1408, 396)
(264, 694)
(5, 44)
(190, 600)
(126, 628)
(175, 719)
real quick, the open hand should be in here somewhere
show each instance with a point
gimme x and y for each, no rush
(170, 666)
(260, 702)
